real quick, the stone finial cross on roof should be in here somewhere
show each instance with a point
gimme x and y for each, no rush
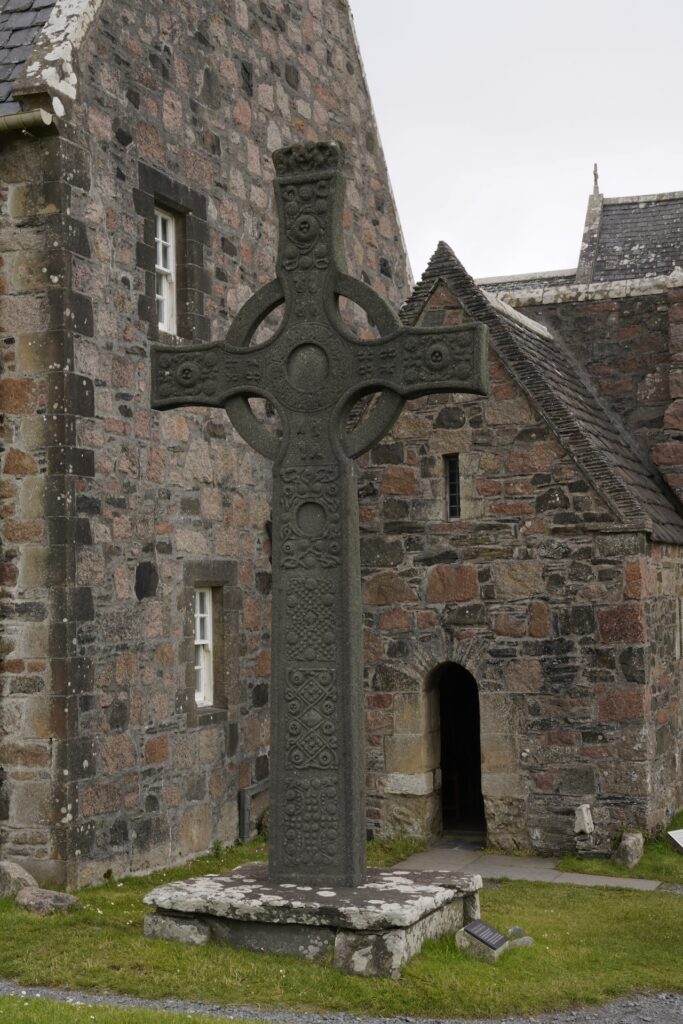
(313, 370)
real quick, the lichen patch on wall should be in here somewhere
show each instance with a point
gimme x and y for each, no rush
(53, 63)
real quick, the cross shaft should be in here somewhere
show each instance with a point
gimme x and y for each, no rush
(313, 370)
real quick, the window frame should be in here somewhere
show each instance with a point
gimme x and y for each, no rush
(221, 577)
(188, 210)
(168, 275)
(203, 647)
(453, 488)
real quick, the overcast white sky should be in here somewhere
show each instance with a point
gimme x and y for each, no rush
(492, 113)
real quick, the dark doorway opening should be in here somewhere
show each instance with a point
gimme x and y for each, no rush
(462, 802)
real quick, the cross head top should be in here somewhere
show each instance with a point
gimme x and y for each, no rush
(313, 369)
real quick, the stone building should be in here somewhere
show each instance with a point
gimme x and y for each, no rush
(124, 124)
(521, 553)
(523, 651)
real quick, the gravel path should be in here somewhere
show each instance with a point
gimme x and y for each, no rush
(661, 1009)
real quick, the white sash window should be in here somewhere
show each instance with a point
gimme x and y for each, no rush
(165, 241)
(203, 646)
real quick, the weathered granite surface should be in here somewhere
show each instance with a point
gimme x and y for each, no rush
(13, 878)
(389, 899)
(630, 850)
(45, 901)
(383, 954)
(371, 929)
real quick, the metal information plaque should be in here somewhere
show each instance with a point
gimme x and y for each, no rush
(486, 934)
(676, 839)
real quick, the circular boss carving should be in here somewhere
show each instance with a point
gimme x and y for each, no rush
(187, 374)
(308, 371)
(311, 519)
(437, 355)
(307, 367)
(305, 229)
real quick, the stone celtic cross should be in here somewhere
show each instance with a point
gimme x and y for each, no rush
(313, 370)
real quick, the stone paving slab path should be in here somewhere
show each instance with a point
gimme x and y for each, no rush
(453, 857)
(660, 1009)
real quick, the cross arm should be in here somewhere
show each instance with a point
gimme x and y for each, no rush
(420, 361)
(202, 375)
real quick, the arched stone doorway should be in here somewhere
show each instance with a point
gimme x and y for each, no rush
(461, 797)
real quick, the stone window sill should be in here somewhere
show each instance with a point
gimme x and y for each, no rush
(208, 715)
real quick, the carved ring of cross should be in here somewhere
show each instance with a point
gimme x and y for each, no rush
(379, 418)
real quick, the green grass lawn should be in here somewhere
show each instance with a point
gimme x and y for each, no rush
(660, 861)
(591, 946)
(45, 1011)
(383, 853)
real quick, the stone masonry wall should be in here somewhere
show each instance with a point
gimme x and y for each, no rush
(668, 451)
(624, 345)
(533, 594)
(178, 104)
(662, 582)
(39, 398)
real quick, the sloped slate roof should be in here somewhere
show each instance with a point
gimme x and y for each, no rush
(640, 236)
(625, 238)
(564, 395)
(20, 25)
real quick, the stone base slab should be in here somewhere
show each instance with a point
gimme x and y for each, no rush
(372, 929)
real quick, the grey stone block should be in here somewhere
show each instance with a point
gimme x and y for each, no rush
(188, 930)
(630, 850)
(14, 878)
(383, 953)
(583, 820)
(373, 929)
(389, 899)
(44, 902)
(471, 907)
(291, 939)
(479, 950)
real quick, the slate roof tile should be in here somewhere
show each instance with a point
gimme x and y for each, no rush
(20, 25)
(564, 395)
(20, 19)
(640, 236)
(22, 37)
